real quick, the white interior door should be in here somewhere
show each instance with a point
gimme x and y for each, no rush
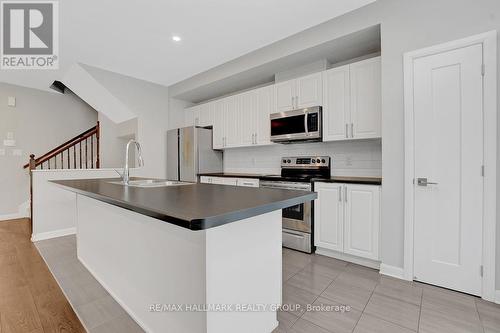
(448, 151)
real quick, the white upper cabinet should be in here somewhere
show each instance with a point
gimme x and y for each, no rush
(233, 122)
(309, 91)
(264, 110)
(284, 93)
(204, 115)
(366, 99)
(362, 221)
(299, 93)
(329, 216)
(248, 118)
(352, 95)
(199, 115)
(336, 106)
(219, 109)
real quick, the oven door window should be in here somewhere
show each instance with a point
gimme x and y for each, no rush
(295, 212)
(287, 125)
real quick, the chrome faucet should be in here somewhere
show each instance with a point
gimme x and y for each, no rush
(126, 173)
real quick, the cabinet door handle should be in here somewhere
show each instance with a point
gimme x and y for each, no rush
(345, 193)
(346, 130)
(340, 194)
(255, 138)
(352, 130)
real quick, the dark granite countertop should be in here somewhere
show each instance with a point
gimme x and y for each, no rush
(334, 179)
(351, 180)
(196, 206)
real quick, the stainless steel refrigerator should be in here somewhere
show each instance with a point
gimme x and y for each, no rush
(190, 152)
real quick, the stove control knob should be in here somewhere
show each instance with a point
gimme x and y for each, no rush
(284, 161)
(318, 161)
(288, 161)
(323, 161)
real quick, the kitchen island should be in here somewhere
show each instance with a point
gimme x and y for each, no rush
(189, 258)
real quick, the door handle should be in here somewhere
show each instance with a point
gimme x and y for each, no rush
(306, 125)
(424, 182)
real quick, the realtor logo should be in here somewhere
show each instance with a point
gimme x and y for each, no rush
(30, 35)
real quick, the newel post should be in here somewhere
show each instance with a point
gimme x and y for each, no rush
(98, 135)
(32, 166)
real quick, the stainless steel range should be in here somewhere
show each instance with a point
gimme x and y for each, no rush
(296, 174)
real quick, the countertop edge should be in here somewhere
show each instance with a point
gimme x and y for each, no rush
(354, 180)
(195, 224)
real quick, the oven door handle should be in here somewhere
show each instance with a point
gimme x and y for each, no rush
(306, 125)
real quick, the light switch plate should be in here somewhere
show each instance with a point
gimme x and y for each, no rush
(9, 143)
(2, 152)
(11, 101)
(17, 152)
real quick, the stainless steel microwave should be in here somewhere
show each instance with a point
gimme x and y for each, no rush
(296, 125)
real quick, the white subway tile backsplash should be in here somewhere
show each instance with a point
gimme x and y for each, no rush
(350, 158)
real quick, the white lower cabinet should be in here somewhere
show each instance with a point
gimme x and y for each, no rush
(347, 219)
(244, 182)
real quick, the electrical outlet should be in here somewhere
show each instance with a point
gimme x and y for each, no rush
(10, 135)
(9, 143)
(11, 101)
(348, 161)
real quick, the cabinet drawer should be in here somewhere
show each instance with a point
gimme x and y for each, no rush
(247, 182)
(205, 180)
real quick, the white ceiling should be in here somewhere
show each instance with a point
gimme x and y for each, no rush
(133, 37)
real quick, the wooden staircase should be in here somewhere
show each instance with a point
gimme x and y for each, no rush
(80, 152)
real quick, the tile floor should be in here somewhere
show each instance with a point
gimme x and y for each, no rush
(96, 309)
(378, 303)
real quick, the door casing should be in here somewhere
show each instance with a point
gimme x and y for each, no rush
(489, 42)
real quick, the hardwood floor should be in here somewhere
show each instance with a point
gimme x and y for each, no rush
(30, 299)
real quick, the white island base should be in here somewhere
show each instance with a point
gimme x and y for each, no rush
(144, 262)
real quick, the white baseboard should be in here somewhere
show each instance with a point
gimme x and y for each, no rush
(23, 212)
(392, 271)
(497, 296)
(52, 234)
(347, 257)
(14, 216)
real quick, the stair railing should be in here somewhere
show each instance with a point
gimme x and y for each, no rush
(80, 152)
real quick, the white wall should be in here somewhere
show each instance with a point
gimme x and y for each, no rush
(114, 138)
(350, 158)
(54, 208)
(40, 122)
(149, 102)
(405, 25)
(176, 113)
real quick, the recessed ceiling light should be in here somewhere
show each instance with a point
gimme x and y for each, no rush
(176, 38)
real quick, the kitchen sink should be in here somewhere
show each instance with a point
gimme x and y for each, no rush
(152, 183)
